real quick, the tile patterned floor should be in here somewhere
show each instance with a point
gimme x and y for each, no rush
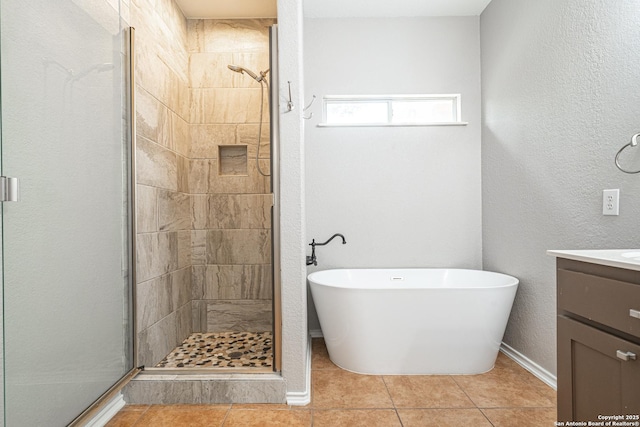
(506, 396)
(222, 350)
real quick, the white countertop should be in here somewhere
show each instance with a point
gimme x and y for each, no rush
(621, 258)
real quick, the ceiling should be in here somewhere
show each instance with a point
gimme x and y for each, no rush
(228, 9)
(391, 8)
(235, 9)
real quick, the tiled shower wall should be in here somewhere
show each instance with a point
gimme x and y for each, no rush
(231, 204)
(203, 210)
(163, 217)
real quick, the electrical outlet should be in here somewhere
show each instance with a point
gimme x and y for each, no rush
(611, 202)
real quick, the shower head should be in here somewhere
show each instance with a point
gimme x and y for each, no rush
(239, 69)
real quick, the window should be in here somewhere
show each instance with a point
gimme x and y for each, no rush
(391, 110)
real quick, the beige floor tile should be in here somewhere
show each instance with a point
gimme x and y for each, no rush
(424, 391)
(505, 364)
(336, 388)
(443, 418)
(320, 355)
(269, 417)
(546, 392)
(184, 415)
(124, 419)
(261, 406)
(504, 388)
(128, 416)
(509, 395)
(522, 417)
(355, 417)
(504, 361)
(270, 406)
(542, 388)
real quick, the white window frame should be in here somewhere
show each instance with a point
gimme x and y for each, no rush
(389, 99)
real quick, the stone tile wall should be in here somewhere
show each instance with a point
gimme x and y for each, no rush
(163, 200)
(203, 228)
(230, 201)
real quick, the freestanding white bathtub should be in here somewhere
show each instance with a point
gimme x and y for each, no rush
(413, 321)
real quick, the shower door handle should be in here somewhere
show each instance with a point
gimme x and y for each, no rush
(9, 189)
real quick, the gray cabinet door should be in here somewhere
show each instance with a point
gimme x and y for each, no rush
(593, 378)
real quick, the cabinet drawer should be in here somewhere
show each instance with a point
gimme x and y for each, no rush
(609, 302)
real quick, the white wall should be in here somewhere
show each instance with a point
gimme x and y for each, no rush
(402, 196)
(561, 94)
(296, 368)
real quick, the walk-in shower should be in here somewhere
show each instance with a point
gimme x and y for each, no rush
(206, 277)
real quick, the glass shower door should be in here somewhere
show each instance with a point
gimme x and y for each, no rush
(67, 335)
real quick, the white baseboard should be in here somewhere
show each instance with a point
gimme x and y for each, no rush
(538, 371)
(316, 333)
(295, 398)
(107, 412)
(302, 398)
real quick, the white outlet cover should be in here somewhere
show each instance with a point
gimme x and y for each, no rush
(611, 202)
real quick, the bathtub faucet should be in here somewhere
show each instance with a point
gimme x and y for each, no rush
(312, 259)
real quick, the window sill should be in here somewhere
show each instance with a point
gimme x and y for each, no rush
(342, 125)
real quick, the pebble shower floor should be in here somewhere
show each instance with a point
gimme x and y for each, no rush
(222, 350)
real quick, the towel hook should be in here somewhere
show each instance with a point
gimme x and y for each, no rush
(633, 143)
(290, 101)
(307, 107)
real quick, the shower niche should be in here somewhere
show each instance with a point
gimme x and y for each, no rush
(204, 205)
(233, 160)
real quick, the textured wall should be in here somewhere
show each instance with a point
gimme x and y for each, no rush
(296, 367)
(230, 200)
(560, 97)
(402, 196)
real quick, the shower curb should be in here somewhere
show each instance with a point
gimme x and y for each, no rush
(150, 389)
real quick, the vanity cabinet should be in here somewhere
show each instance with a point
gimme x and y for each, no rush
(598, 341)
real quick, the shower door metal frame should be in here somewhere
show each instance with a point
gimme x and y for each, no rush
(132, 182)
(275, 191)
(130, 90)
